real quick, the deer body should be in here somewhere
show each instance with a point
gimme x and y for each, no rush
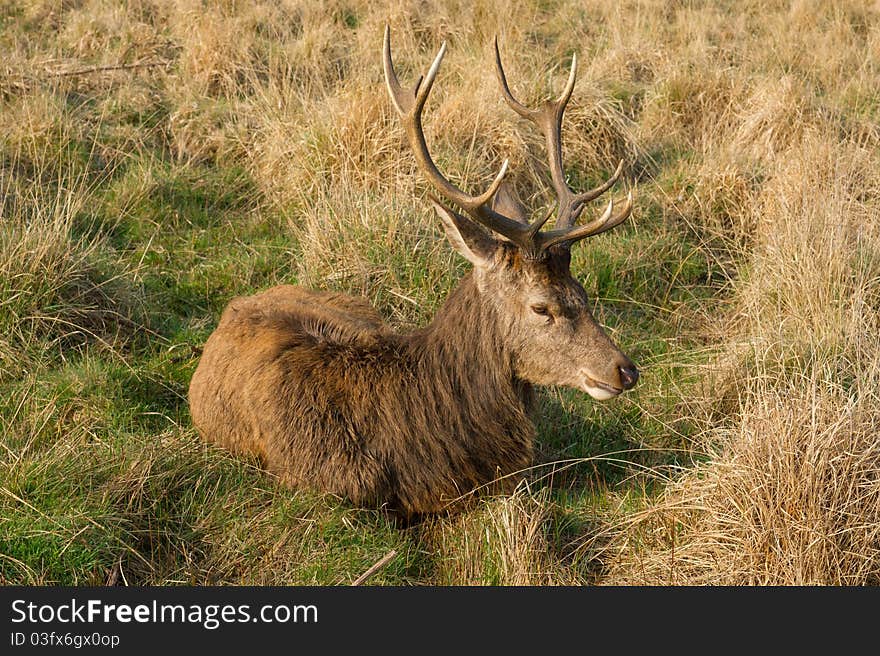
(330, 398)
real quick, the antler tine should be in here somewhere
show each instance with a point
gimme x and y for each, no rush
(535, 227)
(562, 101)
(595, 227)
(409, 105)
(515, 105)
(423, 87)
(399, 97)
(587, 196)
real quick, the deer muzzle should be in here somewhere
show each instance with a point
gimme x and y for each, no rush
(600, 390)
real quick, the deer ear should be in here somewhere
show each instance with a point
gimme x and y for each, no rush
(466, 237)
(506, 202)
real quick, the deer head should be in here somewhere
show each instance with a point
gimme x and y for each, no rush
(523, 271)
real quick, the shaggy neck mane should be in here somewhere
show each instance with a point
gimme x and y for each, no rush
(463, 361)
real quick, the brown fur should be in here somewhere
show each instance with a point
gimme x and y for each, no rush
(319, 387)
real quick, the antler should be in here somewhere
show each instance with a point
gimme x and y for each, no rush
(409, 105)
(548, 117)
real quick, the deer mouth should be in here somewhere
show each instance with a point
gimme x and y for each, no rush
(599, 390)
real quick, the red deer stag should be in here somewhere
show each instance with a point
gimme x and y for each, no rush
(331, 399)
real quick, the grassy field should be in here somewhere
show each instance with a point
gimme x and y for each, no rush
(158, 157)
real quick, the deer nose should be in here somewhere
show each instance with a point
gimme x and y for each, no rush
(629, 376)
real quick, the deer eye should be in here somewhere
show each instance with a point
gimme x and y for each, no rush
(540, 308)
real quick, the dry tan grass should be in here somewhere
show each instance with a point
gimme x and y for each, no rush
(504, 542)
(52, 294)
(790, 495)
(790, 492)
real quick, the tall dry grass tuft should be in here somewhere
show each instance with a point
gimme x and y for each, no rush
(506, 541)
(790, 495)
(55, 284)
(789, 492)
